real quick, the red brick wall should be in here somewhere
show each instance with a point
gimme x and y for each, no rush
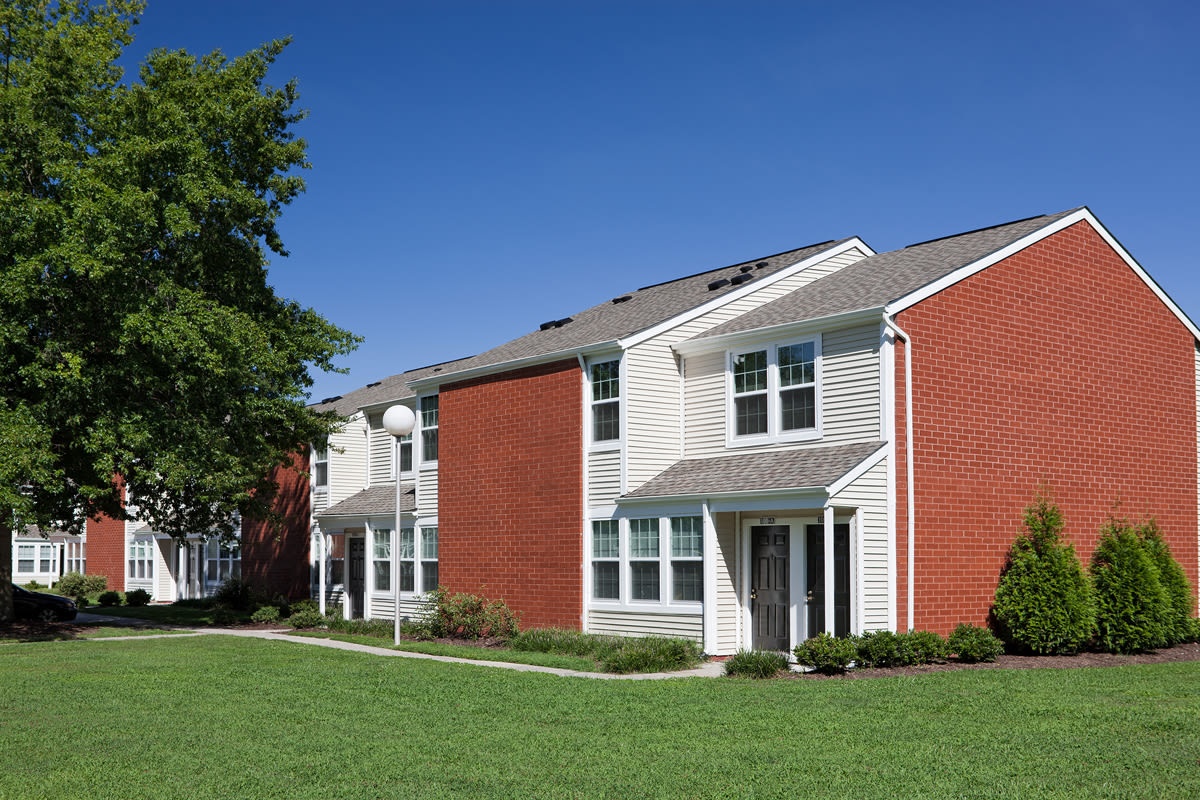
(510, 491)
(277, 561)
(1056, 365)
(106, 548)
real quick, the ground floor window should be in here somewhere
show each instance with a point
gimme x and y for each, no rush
(337, 558)
(26, 554)
(648, 560)
(141, 559)
(76, 558)
(429, 559)
(407, 556)
(381, 556)
(223, 562)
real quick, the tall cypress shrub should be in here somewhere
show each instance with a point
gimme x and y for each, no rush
(1043, 602)
(1177, 613)
(1131, 604)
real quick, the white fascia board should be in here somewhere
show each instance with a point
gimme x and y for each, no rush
(771, 333)
(737, 294)
(858, 471)
(384, 405)
(1082, 215)
(435, 381)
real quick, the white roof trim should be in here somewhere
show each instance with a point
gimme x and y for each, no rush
(857, 471)
(679, 319)
(507, 366)
(1084, 215)
(817, 491)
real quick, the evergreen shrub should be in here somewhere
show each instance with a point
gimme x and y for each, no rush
(305, 617)
(109, 598)
(75, 584)
(1177, 613)
(1131, 604)
(138, 597)
(755, 664)
(468, 616)
(827, 654)
(265, 614)
(972, 644)
(1044, 602)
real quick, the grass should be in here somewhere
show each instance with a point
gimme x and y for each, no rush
(462, 651)
(110, 631)
(268, 719)
(165, 614)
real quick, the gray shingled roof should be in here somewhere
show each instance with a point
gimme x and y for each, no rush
(876, 281)
(787, 469)
(379, 499)
(641, 309)
(393, 387)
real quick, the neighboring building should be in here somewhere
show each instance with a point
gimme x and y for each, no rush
(46, 558)
(708, 456)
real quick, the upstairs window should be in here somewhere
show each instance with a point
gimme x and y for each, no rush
(606, 401)
(406, 448)
(429, 429)
(320, 469)
(774, 393)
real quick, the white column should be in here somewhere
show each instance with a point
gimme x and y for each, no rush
(319, 536)
(710, 581)
(830, 570)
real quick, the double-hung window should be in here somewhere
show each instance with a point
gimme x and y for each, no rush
(406, 442)
(25, 557)
(687, 559)
(429, 429)
(643, 560)
(606, 559)
(223, 562)
(775, 393)
(408, 561)
(429, 559)
(141, 559)
(76, 556)
(606, 401)
(381, 555)
(320, 468)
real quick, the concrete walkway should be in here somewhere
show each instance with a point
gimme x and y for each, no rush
(709, 669)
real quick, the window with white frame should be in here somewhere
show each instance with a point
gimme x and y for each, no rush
(774, 392)
(223, 562)
(406, 443)
(45, 558)
(606, 401)
(26, 554)
(381, 555)
(76, 557)
(687, 559)
(429, 429)
(606, 559)
(407, 557)
(429, 559)
(643, 560)
(320, 468)
(141, 559)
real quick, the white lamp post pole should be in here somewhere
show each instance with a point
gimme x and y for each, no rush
(399, 421)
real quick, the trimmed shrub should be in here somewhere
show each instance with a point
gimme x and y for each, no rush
(927, 647)
(75, 584)
(1131, 603)
(1193, 630)
(755, 664)
(235, 593)
(1044, 603)
(1177, 614)
(265, 614)
(468, 616)
(138, 597)
(972, 644)
(109, 598)
(306, 618)
(826, 654)
(888, 649)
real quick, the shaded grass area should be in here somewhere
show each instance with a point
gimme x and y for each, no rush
(168, 614)
(460, 651)
(110, 631)
(273, 720)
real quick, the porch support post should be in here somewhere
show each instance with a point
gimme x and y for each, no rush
(710, 581)
(320, 537)
(830, 571)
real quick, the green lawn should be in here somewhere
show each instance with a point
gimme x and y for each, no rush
(165, 614)
(224, 717)
(467, 651)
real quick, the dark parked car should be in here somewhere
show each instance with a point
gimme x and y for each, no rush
(38, 605)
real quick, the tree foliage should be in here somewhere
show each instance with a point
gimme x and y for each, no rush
(138, 334)
(1044, 602)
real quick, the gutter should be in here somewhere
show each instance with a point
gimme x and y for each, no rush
(908, 458)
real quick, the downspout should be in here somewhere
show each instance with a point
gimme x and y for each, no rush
(908, 460)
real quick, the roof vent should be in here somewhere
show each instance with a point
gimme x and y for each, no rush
(745, 268)
(712, 287)
(622, 298)
(555, 323)
(740, 279)
(331, 399)
(761, 264)
(376, 383)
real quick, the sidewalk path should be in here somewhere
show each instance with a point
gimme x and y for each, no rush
(709, 669)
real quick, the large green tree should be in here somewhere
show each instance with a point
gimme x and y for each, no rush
(138, 334)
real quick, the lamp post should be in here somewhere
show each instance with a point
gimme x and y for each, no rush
(399, 421)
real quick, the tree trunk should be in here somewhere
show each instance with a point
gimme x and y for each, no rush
(7, 612)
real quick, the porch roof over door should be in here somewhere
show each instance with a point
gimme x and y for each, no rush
(809, 468)
(379, 499)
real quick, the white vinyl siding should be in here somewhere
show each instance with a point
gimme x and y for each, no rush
(604, 476)
(427, 492)
(869, 493)
(380, 607)
(728, 557)
(652, 386)
(624, 623)
(849, 394)
(348, 460)
(167, 556)
(381, 451)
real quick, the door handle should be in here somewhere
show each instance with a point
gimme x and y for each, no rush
(809, 596)
(754, 594)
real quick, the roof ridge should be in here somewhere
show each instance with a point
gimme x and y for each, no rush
(741, 263)
(989, 228)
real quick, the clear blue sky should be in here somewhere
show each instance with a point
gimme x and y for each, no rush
(482, 167)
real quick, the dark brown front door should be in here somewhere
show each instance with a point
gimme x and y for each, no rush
(358, 575)
(769, 586)
(815, 599)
